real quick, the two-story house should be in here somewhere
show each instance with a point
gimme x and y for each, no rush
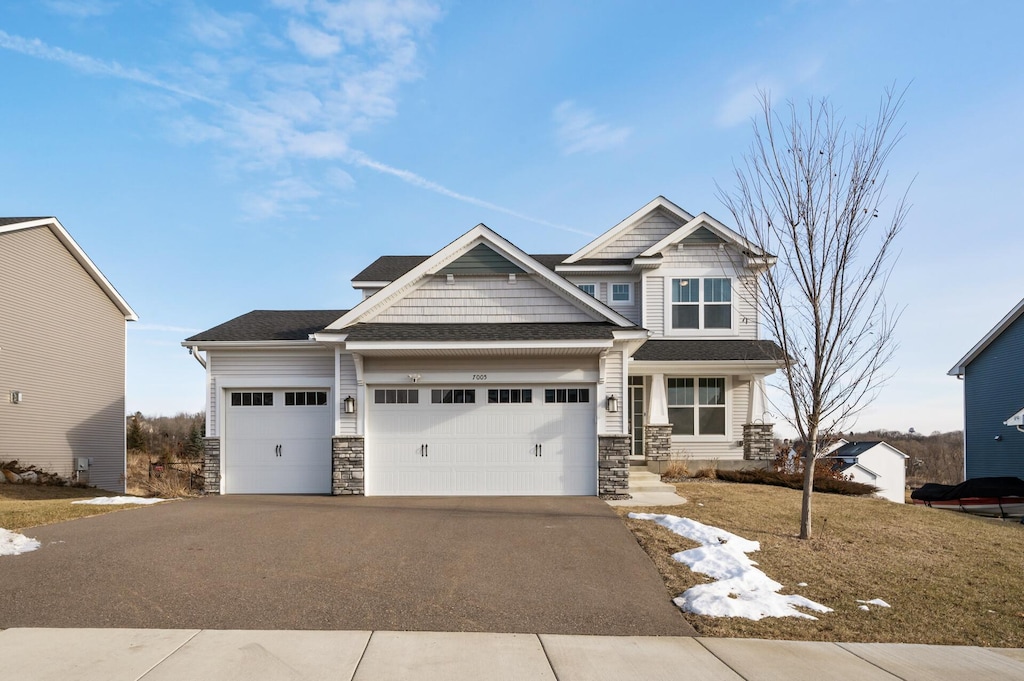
(484, 370)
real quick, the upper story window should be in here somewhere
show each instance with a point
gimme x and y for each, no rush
(621, 293)
(692, 310)
(589, 289)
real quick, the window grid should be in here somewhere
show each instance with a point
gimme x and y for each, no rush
(621, 293)
(453, 396)
(509, 396)
(689, 310)
(252, 399)
(396, 396)
(697, 406)
(566, 395)
(309, 398)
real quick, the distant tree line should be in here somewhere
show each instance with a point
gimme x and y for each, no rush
(938, 457)
(167, 438)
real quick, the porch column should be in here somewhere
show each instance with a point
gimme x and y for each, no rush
(658, 429)
(758, 436)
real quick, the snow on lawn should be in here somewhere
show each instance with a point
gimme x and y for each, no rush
(12, 543)
(115, 501)
(741, 590)
(874, 601)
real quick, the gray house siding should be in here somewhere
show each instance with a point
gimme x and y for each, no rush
(62, 345)
(993, 392)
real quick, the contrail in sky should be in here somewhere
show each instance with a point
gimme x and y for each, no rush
(35, 48)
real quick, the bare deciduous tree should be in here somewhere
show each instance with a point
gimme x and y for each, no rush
(810, 191)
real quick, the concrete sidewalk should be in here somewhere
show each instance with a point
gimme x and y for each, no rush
(174, 654)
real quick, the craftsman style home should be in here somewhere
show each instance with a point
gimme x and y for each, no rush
(484, 370)
(62, 357)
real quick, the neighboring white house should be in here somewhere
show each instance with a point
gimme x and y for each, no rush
(874, 463)
(62, 356)
(482, 369)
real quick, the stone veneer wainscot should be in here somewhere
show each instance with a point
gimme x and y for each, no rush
(347, 467)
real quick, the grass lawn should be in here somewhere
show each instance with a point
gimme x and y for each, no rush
(23, 506)
(950, 578)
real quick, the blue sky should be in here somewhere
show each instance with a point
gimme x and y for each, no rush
(214, 158)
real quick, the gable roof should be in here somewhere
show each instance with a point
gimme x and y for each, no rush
(269, 325)
(693, 227)
(1004, 323)
(481, 234)
(11, 224)
(387, 268)
(851, 450)
(658, 203)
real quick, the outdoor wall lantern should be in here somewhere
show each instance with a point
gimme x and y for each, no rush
(350, 405)
(612, 404)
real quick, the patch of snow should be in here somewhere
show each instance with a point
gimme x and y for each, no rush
(864, 607)
(802, 584)
(12, 543)
(741, 590)
(699, 504)
(118, 501)
(874, 601)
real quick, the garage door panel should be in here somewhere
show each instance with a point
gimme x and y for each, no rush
(482, 448)
(277, 448)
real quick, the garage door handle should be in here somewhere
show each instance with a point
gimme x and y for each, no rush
(538, 450)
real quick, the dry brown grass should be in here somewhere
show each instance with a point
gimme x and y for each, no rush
(677, 470)
(23, 506)
(171, 482)
(951, 578)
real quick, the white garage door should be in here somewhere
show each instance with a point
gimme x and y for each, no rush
(474, 440)
(277, 442)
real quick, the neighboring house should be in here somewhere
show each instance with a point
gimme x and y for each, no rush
(993, 376)
(482, 369)
(62, 356)
(874, 463)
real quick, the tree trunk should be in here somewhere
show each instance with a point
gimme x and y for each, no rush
(810, 453)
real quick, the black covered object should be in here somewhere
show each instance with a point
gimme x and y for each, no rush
(988, 488)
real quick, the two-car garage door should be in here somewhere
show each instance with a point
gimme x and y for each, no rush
(474, 440)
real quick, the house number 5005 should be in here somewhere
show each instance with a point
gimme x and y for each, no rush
(479, 377)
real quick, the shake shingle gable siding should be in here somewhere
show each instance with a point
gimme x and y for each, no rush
(270, 325)
(479, 332)
(708, 351)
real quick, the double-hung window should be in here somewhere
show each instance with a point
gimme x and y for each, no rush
(621, 293)
(696, 406)
(589, 289)
(693, 308)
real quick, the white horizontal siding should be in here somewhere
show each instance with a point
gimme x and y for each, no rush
(614, 384)
(482, 300)
(263, 368)
(654, 308)
(73, 382)
(347, 385)
(641, 237)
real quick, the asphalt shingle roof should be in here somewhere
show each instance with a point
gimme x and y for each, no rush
(13, 221)
(480, 332)
(854, 449)
(391, 267)
(708, 351)
(263, 325)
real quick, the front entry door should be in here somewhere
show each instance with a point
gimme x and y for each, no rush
(636, 417)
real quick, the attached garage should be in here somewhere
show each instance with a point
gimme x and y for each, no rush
(482, 440)
(277, 441)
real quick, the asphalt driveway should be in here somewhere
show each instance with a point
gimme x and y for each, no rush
(555, 565)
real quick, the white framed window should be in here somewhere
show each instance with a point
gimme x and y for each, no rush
(589, 289)
(620, 294)
(305, 398)
(696, 406)
(252, 399)
(453, 396)
(509, 396)
(701, 303)
(396, 396)
(566, 395)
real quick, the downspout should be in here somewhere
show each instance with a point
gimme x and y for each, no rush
(194, 351)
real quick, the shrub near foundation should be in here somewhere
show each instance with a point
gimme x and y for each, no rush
(828, 485)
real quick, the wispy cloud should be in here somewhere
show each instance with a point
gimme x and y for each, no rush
(740, 100)
(80, 9)
(333, 70)
(578, 130)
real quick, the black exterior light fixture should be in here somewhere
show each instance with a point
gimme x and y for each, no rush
(612, 404)
(350, 405)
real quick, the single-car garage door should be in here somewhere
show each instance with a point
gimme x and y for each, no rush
(277, 442)
(474, 440)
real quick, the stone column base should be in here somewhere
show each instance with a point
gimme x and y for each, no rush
(612, 465)
(347, 468)
(759, 441)
(211, 465)
(658, 442)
